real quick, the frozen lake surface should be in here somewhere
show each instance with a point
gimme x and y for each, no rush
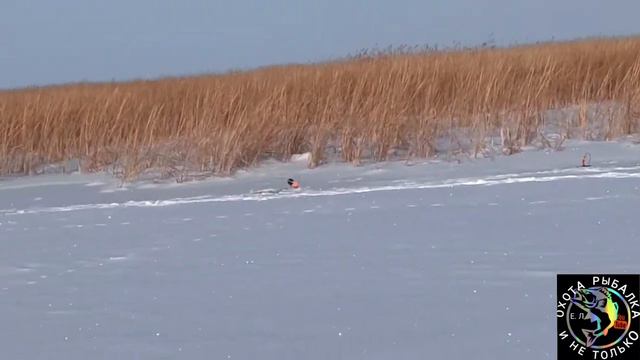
(384, 261)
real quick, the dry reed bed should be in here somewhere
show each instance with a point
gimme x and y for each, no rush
(364, 107)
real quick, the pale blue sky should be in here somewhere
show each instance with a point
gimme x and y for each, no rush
(58, 41)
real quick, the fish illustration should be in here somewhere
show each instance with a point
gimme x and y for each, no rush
(601, 309)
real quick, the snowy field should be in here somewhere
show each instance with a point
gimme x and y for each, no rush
(384, 261)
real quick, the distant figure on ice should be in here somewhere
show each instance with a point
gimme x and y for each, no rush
(586, 160)
(293, 184)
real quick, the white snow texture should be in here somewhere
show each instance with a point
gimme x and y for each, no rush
(385, 261)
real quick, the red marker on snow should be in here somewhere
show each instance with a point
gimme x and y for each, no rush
(294, 184)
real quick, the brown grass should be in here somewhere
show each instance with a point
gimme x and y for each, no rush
(361, 108)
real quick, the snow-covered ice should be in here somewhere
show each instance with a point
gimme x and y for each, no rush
(436, 260)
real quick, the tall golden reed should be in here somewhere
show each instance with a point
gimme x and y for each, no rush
(363, 106)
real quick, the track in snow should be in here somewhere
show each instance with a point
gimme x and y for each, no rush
(619, 172)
